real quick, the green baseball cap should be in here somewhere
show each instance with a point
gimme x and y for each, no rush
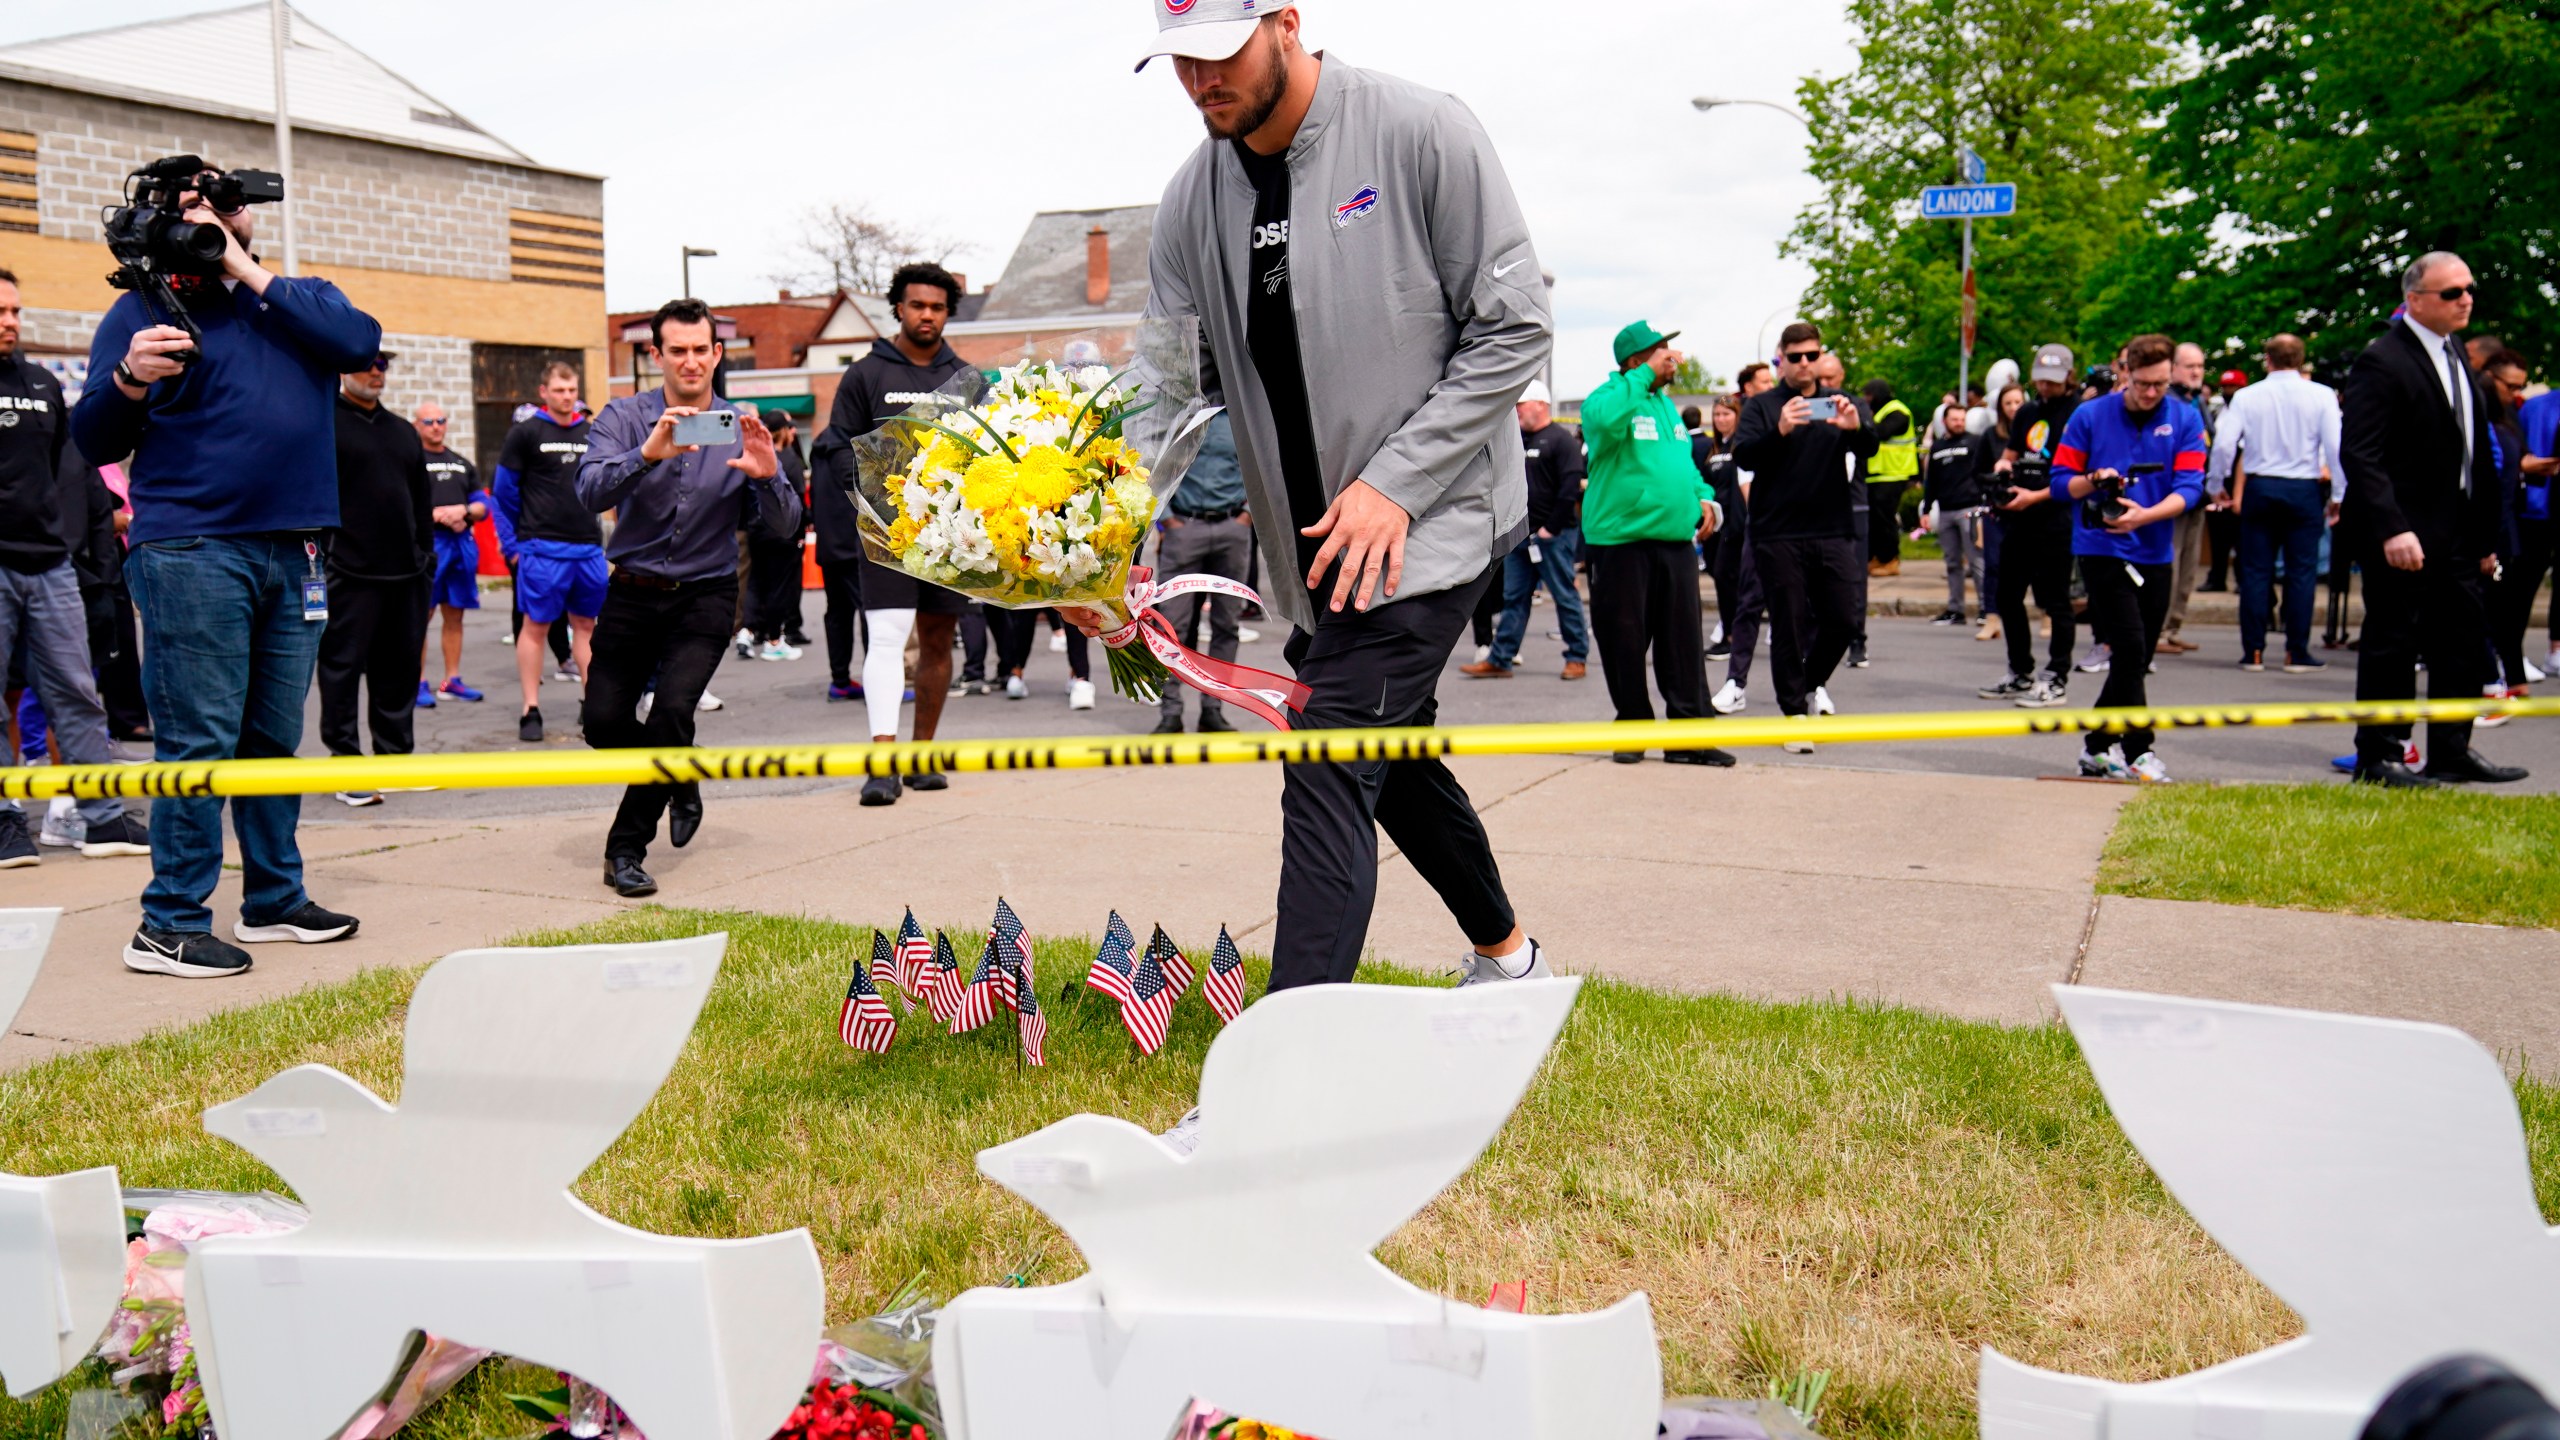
(1638, 338)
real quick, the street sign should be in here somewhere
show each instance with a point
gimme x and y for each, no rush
(1968, 202)
(1975, 172)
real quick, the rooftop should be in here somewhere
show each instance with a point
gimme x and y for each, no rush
(1045, 279)
(221, 63)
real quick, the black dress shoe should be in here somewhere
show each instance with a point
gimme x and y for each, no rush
(2472, 767)
(2392, 775)
(684, 820)
(1169, 725)
(1212, 723)
(628, 880)
(1627, 757)
(1708, 755)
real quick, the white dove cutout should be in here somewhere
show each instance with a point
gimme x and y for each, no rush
(62, 1236)
(2372, 1173)
(451, 1215)
(1242, 1275)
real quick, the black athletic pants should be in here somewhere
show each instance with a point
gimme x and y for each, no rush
(775, 579)
(377, 631)
(2511, 599)
(2436, 614)
(1811, 588)
(1644, 595)
(844, 612)
(1370, 670)
(1017, 631)
(677, 635)
(2035, 558)
(2128, 607)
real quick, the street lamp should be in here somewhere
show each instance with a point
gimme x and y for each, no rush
(690, 254)
(1710, 102)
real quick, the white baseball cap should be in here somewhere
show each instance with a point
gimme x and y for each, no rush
(1208, 29)
(1537, 394)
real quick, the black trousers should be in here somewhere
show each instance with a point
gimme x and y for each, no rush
(1884, 519)
(1488, 610)
(1812, 589)
(114, 648)
(2128, 608)
(1016, 631)
(2511, 599)
(844, 612)
(2035, 559)
(2438, 614)
(377, 631)
(678, 636)
(1372, 670)
(774, 575)
(1644, 596)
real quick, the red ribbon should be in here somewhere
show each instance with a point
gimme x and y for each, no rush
(1256, 692)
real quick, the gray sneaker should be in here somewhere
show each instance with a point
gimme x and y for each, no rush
(16, 850)
(2048, 694)
(1477, 969)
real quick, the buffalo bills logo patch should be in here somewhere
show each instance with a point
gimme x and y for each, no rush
(1362, 201)
(1179, 7)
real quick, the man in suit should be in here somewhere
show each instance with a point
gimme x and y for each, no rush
(2424, 511)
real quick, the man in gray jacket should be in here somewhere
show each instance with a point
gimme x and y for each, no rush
(1372, 310)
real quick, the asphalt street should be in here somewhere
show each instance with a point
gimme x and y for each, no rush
(1916, 667)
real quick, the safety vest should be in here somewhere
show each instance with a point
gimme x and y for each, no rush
(1899, 459)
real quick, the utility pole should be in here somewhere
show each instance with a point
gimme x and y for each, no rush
(280, 28)
(1974, 174)
(690, 255)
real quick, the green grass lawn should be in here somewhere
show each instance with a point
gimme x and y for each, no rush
(2423, 855)
(1831, 1187)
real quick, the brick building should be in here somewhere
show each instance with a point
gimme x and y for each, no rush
(481, 264)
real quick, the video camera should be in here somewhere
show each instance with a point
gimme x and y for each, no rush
(2104, 504)
(152, 239)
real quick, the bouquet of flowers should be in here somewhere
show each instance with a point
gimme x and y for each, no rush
(1038, 487)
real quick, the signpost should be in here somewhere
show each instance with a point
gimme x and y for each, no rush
(1971, 201)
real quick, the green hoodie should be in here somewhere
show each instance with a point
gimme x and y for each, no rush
(1643, 484)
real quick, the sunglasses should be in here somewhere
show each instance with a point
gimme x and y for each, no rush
(2451, 293)
(1801, 357)
(437, 420)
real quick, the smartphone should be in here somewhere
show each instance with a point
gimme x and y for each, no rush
(711, 427)
(1825, 408)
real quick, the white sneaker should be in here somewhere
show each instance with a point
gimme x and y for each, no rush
(1184, 1137)
(745, 640)
(1822, 702)
(709, 701)
(1484, 653)
(1799, 747)
(1246, 634)
(1730, 700)
(1476, 969)
(648, 702)
(568, 675)
(2551, 662)
(778, 651)
(2146, 767)
(2048, 694)
(2533, 674)
(1080, 695)
(1014, 689)
(1057, 642)
(1715, 637)
(359, 799)
(62, 828)
(2107, 764)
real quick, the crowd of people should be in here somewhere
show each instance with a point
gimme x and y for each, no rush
(1393, 493)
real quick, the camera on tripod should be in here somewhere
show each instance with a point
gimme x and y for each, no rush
(2105, 503)
(153, 240)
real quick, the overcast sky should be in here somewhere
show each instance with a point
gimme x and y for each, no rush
(967, 118)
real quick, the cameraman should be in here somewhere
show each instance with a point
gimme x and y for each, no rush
(2035, 538)
(2137, 456)
(235, 491)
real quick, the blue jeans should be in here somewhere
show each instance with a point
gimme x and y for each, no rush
(44, 613)
(226, 662)
(2287, 516)
(1521, 578)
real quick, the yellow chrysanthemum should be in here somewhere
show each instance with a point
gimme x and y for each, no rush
(1047, 477)
(989, 485)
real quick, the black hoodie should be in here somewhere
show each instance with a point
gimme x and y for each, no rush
(384, 515)
(881, 384)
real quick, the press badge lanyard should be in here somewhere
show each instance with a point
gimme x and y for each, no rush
(315, 588)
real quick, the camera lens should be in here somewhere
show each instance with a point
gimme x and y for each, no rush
(203, 244)
(2466, 1397)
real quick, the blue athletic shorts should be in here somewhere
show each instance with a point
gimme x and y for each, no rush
(546, 588)
(457, 582)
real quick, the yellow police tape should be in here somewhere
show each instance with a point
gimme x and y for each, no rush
(534, 768)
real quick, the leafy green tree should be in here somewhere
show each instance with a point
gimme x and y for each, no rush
(1694, 378)
(2049, 92)
(2320, 145)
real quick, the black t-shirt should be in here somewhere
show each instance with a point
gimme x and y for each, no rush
(1271, 333)
(2036, 432)
(32, 538)
(545, 455)
(451, 478)
(382, 497)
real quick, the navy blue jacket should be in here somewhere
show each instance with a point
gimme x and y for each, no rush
(246, 441)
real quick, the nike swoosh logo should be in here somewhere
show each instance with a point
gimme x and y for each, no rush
(1507, 269)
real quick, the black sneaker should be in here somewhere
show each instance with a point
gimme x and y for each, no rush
(1857, 657)
(529, 726)
(16, 850)
(1215, 723)
(123, 835)
(309, 925)
(880, 790)
(187, 954)
(1710, 755)
(930, 780)
(1169, 725)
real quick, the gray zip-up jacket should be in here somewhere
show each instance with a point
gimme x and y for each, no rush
(1421, 318)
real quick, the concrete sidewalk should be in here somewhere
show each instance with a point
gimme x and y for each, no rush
(1956, 894)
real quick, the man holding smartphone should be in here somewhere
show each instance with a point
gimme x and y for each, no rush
(2140, 452)
(686, 473)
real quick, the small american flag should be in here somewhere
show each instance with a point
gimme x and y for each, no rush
(1115, 961)
(1177, 970)
(915, 959)
(1031, 1025)
(866, 1023)
(978, 1001)
(1149, 1009)
(942, 984)
(1224, 989)
(1010, 948)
